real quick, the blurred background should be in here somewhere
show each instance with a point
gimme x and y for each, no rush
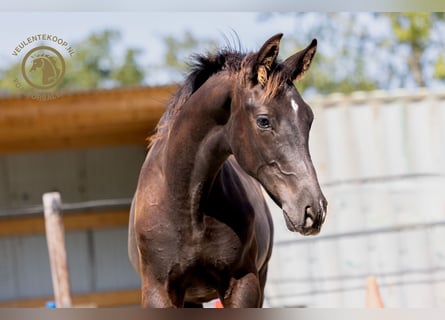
(378, 143)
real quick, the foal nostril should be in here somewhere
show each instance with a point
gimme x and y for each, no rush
(309, 217)
(323, 207)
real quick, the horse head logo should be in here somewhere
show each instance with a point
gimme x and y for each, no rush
(43, 67)
(48, 65)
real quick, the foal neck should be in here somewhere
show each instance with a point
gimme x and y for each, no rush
(197, 146)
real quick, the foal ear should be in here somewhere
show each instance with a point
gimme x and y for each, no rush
(300, 62)
(266, 57)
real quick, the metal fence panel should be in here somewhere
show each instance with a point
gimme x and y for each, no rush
(381, 161)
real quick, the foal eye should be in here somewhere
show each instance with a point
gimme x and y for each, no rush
(263, 122)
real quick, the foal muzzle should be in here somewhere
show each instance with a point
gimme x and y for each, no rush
(309, 220)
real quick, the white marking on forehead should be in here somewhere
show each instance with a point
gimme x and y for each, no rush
(294, 105)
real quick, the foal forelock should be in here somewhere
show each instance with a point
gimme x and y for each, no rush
(273, 80)
(276, 83)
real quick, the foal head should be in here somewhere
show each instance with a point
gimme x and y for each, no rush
(269, 131)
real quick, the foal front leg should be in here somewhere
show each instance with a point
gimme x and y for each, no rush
(155, 295)
(244, 293)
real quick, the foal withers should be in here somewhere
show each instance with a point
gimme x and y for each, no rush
(199, 227)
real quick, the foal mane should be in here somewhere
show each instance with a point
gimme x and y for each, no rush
(201, 68)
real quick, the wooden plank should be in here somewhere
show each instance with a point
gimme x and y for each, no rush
(37, 143)
(129, 297)
(88, 119)
(15, 226)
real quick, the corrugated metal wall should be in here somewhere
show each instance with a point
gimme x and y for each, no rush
(97, 259)
(79, 175)
(381, 162)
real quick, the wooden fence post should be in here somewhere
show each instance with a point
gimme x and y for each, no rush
(373, 298)
(56, 248)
